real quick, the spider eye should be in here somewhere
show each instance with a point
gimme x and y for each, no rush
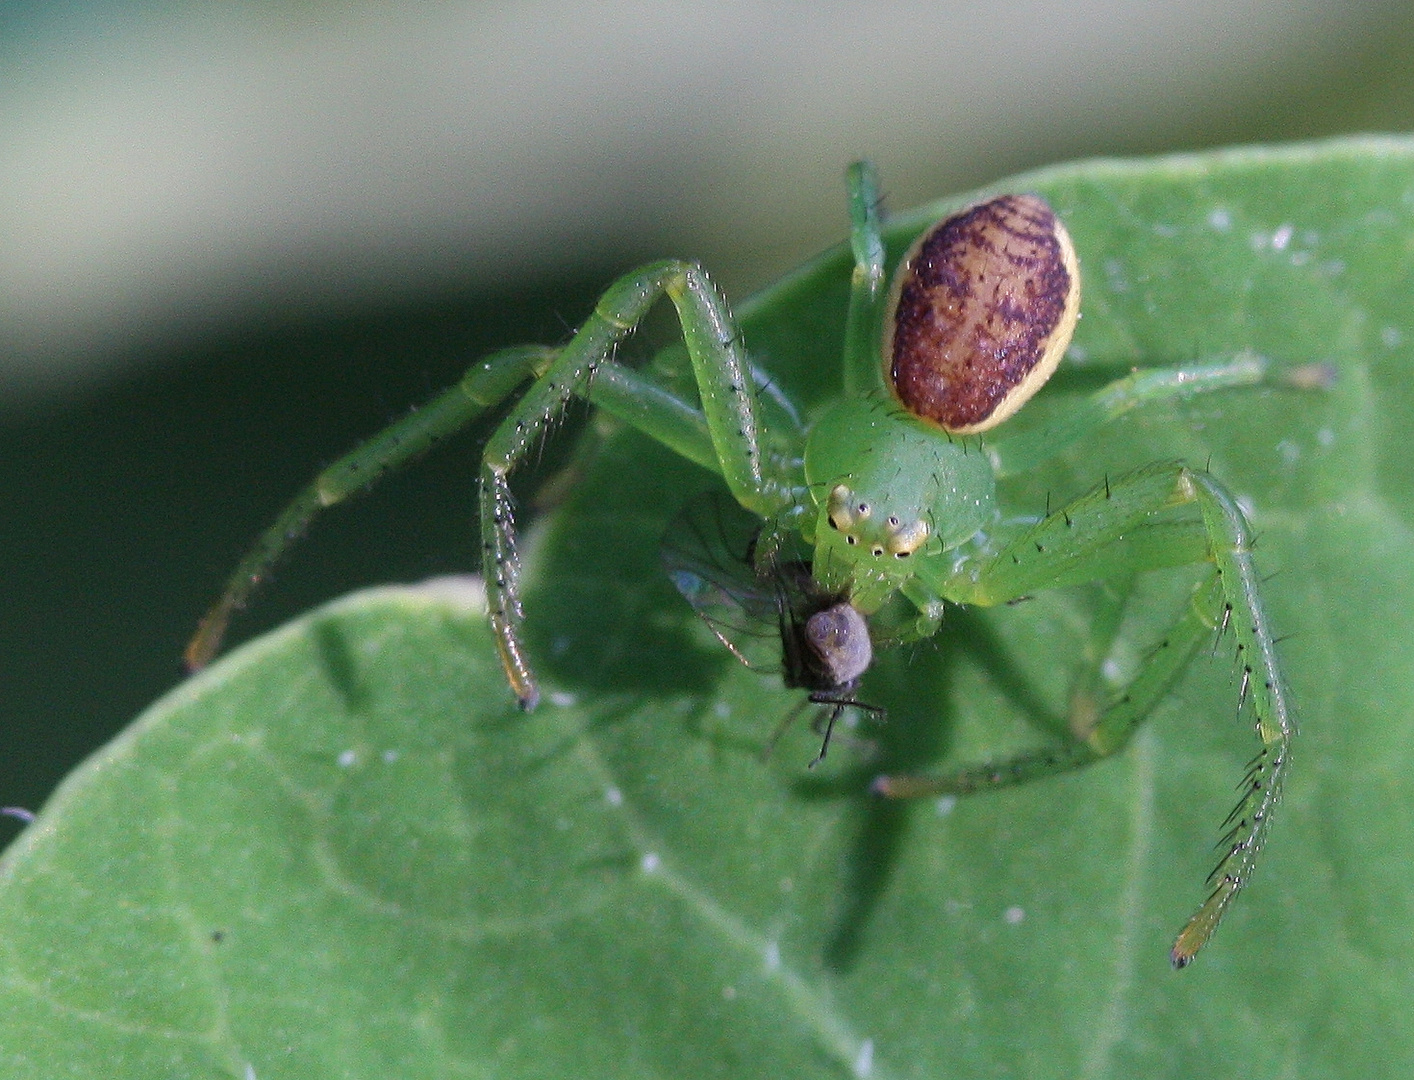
(839, 509)
(982, 311)
(906, 539)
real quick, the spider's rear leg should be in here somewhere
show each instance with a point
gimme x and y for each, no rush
(1122, 527)
(1098, 729)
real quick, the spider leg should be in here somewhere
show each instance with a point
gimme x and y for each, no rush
(728, 413)
(1016, 452)
(868, 282)
(488, 383)
(1099, 738)
(720, 431)
(1122, 527)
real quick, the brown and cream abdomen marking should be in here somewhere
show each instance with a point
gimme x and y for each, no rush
(982, 311)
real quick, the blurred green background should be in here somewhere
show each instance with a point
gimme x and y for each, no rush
(236, 238)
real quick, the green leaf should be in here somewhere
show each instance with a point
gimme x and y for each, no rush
(342, 852)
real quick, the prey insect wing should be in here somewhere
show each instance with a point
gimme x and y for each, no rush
(710, 553)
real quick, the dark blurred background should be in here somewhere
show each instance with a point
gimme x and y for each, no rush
(237, 237)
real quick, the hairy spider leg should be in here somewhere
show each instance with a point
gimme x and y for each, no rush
(486, 385)
(725, 385)
(868, 287)
(720, 432)
(1106, 534)
(1018, 453)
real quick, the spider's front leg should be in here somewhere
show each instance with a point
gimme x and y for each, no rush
(719, 432)
(488, 382)
(723, 436)
(1122, 527)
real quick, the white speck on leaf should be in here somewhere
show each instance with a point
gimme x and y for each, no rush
(650, 862)
(945, 805)
(1220, 220)
(613, 796)
(347, 758)
(864, 1060)
(1325, 436)
(1392, 337)
(562, 700)
(1014, 915)
(1115, 276)
(773, 956)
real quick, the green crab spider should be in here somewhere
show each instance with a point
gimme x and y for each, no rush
(892, 490)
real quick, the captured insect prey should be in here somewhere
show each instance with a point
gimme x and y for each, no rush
(856, 525)
(756, 592)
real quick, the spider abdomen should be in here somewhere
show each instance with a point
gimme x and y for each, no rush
(982, 310)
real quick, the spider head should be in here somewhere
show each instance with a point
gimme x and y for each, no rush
(889, 491)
